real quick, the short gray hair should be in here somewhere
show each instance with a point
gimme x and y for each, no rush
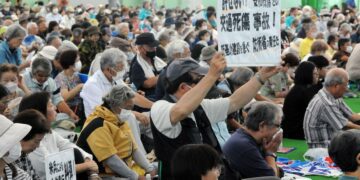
(345, 26)
(118, 95)
(14, 31)
(122, 25)
(165, 35)
(30, 25)
(111, 57)
(332, 79)
(41, 64)
(262, 112)
(177, 46)
(241, 76)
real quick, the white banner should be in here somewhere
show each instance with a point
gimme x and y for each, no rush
(249, 32)
(60, 166)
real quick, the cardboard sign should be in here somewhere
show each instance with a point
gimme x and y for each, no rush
(249, 32)
(61, 165)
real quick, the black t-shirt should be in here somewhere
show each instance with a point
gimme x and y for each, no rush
(246, 156)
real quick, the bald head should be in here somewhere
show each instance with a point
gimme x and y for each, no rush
(336, 76)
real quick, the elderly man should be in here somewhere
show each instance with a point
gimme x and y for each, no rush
(176, 50)
(344, 149)
(54, 40)
(145, 68)
(115, 42)
(251, 151)
(184, 116)
(32, 41)
(123, 30)
(327, 112)
(108, 137)
(112, 64)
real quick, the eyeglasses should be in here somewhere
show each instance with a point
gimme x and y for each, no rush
(278, 126)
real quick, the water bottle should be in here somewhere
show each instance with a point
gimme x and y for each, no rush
(148, 177)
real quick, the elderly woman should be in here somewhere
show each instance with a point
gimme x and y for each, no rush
(108, 137)
(38, 79)
(112, 65)
(53, 142)
(69, 81)
(10, 51)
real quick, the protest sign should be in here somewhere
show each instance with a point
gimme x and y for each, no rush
(249, 32)
(60, 166)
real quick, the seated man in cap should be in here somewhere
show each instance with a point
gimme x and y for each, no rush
(89, 48)
(145, 68)
(184, 116)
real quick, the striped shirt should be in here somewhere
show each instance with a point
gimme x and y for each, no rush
(324, 117)
(20, 174)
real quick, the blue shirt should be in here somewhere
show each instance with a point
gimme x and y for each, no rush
(144, 13)
(246, 156)
(289, 20)
(7, 56)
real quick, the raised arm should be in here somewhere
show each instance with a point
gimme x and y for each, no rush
(245, 93)
(192, 99)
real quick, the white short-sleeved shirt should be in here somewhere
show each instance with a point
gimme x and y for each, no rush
(215, 109)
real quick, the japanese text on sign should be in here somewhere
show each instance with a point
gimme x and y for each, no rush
(249, 32)
(61, 166)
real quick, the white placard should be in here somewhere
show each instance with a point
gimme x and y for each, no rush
(249, 32)
(60, 166)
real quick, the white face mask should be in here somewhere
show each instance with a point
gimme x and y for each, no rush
(119, 75)
(130, 56)
(204, 27)
(55, 11)
(173, 38)
(345, 36)
(14, 154)
(78, 66)
(349, 49)
(313, 35)
(334, 30)
(124, 115)
(11, 86)
(37, 82)
(191, 40)
(207, 39)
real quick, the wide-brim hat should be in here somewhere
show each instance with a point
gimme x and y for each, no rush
(146, 39)
(11, 134)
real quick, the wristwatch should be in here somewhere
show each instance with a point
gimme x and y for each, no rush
(257, 76)
(271, 154)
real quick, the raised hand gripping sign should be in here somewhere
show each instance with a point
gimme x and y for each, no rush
(61, 165)
(249, 32)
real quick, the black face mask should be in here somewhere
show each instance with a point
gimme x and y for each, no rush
(150, 54)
